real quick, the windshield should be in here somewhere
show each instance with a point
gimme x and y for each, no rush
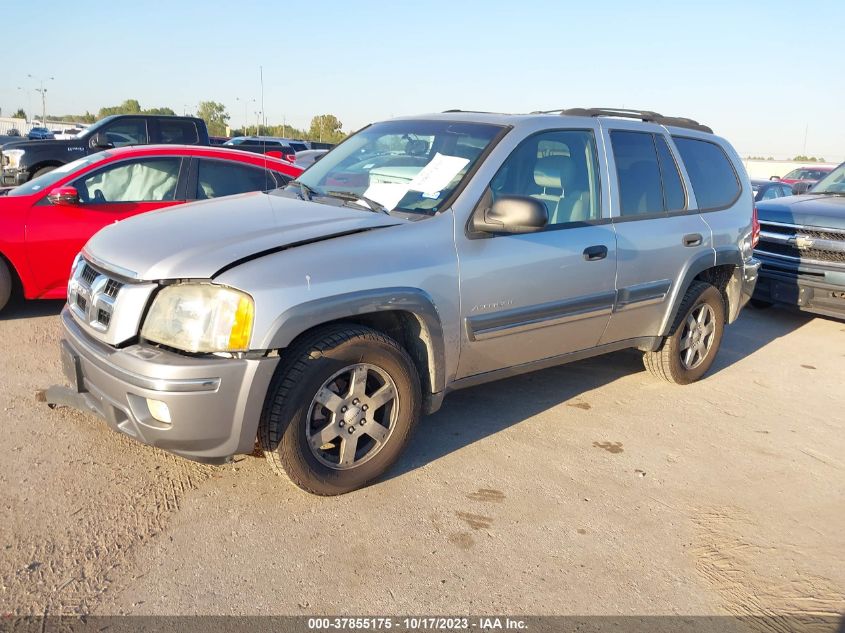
(411, 166)
(834, 182)
(50, 178)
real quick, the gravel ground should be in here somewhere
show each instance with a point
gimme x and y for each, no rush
(585, 489)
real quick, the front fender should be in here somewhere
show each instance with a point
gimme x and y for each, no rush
(305, 316)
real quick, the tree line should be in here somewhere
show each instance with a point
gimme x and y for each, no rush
(324, 127)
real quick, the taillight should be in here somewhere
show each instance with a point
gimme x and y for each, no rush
(755, 228)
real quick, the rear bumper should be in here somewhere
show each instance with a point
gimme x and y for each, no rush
(808, 292)
(214, 403)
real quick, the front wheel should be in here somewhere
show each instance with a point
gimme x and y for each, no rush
(340, 409)
(5, 284)
(689, 350)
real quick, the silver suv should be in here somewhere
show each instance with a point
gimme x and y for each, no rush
(422, 255)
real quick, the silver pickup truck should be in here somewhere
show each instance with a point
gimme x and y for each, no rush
(422, 255)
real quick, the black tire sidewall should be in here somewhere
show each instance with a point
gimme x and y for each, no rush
(713, 298)
(5, 284)
(296, 456)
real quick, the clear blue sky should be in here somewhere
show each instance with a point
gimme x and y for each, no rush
(759, 73)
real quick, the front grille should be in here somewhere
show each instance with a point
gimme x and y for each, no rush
(112, 288)
(103, 317)
(788, 250)
(82, 303)
(796, 242)
(89, 275)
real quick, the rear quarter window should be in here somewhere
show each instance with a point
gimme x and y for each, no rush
(711, 173)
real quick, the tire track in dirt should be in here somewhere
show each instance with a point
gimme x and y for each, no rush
(729, 559)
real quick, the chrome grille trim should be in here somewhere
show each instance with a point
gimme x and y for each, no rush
(803, 244)
(104, 305)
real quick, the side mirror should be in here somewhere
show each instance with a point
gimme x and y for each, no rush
(774, 178)
(801, 187)
(512, 214)
(100, 141)
(64, 196)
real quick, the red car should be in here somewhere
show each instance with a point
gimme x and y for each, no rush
(801, 174)
(45, 222)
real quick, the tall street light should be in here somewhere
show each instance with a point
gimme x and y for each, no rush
(28, 103)
(43, 92)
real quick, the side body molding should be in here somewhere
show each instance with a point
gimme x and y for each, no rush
(305, 316)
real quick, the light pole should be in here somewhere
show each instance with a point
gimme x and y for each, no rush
(246, 103)
(258, 121)
(28, 103)
(43, 92)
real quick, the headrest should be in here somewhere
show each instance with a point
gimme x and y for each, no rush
(547, 172)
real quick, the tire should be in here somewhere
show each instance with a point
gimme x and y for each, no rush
(42, 171)
(760, 304)
(5, 284)
(321, 367)
(674, 361)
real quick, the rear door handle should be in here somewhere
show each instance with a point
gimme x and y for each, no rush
(595, 253)
(692, 239)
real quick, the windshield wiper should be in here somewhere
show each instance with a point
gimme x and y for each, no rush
(305, 192)
(349, 196)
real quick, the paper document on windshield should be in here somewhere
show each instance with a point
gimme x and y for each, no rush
(438, 173)
(387, 193)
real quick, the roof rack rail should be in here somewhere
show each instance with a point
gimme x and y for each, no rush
(642, 115)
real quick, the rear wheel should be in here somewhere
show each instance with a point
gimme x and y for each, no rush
(340, 410)
(688, 352)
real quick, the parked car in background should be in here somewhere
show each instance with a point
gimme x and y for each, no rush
(23, 160)
(768, 189)
(423, 255)
(217, 140)
(68, 133)
(40, 133)
(13, 132)
(263, 145)
(802, 249)
(813, 174)
(308, 157)
(45, 222)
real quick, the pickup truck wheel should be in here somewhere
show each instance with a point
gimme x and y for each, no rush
(688, 352)
(42, 171)
(340, 409)
(5, 284)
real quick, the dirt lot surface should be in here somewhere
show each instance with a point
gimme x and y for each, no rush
(586, 489)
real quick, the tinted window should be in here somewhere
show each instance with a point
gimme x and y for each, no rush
(178, 132)
(673, 188)
(558, 168)
(127, 132)
(710, 171)
(147, 180)
(785, 191)
(771, 192)
(220, 178)
(640, 191)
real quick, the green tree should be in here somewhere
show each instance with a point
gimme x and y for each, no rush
(326, 128)
(131, 106)
(215, 116)
(20, 114)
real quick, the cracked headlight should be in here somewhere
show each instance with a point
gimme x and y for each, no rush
(197, 317)
(12, 157)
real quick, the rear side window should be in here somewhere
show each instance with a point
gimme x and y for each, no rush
(713, 178)
(224, 178)
(640, 190)
(178, 132)
(673, 189)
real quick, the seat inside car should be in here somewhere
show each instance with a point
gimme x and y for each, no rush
(564, 189)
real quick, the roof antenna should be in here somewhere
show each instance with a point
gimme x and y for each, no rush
(264, 123)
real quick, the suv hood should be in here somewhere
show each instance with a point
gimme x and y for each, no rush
(197, 240)
(36, 144)
(824, 211)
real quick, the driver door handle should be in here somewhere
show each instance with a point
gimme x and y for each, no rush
(595, 253)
